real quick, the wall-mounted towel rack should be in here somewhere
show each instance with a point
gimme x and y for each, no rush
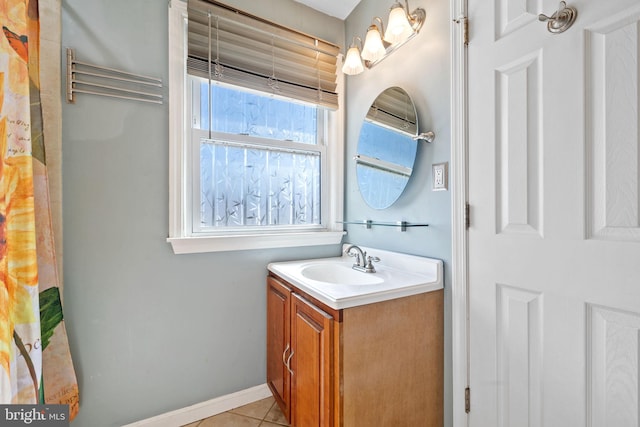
(403, 225)
(93, 79)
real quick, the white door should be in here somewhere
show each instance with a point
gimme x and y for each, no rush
(554, 242)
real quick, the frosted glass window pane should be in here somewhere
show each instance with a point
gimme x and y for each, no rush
(246, 113)
(243, 186)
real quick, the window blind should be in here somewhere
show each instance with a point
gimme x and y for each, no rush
(234, 47)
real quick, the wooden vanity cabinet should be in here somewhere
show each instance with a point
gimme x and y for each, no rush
(379, 364)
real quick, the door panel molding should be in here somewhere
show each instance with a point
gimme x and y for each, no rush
(613, 362)
(518, 132)
(519, 318)
(613, 160)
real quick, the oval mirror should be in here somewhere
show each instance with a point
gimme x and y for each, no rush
(387, 148)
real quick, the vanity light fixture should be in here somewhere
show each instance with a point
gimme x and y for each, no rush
(402, 25)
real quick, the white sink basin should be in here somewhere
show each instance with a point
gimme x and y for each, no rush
(333, 281)
(339, 274)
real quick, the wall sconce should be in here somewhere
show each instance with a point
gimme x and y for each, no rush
(402, 26)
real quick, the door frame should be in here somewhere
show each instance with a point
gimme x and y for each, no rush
(459, 236)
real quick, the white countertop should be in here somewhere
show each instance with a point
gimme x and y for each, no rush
(400, 275)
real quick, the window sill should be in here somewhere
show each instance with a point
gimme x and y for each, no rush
(237, 242)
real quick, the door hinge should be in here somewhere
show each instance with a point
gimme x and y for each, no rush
(465, 28)
(467, 400)
(467, 216)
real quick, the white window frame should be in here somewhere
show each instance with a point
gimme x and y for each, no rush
(181, 237)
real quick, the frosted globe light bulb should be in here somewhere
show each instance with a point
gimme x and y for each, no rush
(353, 62)
(373, 49)
(398, 28)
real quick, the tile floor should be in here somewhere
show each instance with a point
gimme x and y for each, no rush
(263, 413)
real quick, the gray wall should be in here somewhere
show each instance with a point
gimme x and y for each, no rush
(422, 68)
(150, 331)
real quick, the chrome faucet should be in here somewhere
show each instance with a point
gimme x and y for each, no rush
(363, 262)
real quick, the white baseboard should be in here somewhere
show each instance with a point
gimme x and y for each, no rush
(193, 413)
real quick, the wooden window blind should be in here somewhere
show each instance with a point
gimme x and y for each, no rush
(231, 46)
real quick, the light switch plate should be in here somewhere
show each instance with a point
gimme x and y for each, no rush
(440, 176)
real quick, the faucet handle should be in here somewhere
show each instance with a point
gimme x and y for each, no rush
(372, 259)
(369, 264)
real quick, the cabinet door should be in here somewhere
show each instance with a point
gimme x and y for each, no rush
(278, 342)
(312, 365)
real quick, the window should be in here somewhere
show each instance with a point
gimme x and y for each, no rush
(249, 169)
(261, 165)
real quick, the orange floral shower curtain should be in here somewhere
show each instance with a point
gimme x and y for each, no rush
(35, 362)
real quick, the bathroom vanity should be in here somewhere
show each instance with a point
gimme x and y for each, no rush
(361, 349)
